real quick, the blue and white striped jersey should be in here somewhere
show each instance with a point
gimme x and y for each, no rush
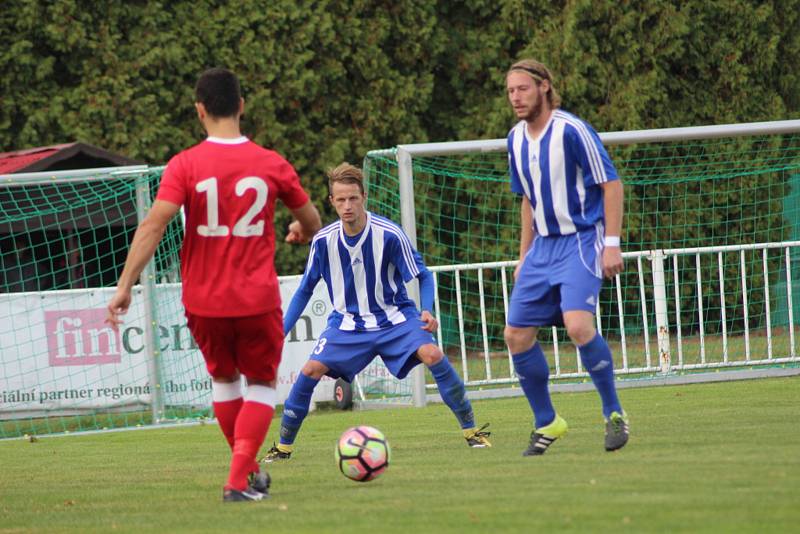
(366, 281)
(559, 171)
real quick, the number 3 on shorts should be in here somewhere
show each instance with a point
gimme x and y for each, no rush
(320, 345)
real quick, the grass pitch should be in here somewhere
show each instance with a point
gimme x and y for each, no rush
(719, 457)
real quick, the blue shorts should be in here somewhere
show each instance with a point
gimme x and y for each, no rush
(347, 353)
(558, 274)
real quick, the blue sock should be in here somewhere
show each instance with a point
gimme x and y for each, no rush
(451, 388)
(533, 372)
(295, 409)
(596, 358)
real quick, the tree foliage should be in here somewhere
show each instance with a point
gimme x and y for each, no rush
(326, 81)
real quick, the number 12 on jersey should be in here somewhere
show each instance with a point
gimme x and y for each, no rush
(242, 228)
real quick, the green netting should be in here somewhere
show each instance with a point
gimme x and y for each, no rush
(730, 191)
(64, 242)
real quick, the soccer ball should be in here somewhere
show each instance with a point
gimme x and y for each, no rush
(362, 453)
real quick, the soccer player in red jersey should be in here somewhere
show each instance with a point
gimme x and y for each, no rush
(228, 186)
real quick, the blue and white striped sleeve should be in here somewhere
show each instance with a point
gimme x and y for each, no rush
(419, 271)
(592, 156)
(404, 257)
(516, 183)
(305, 290)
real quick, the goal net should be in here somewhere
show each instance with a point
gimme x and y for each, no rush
(711, 232)
(64, 239)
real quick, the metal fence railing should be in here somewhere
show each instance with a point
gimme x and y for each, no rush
(679, 326)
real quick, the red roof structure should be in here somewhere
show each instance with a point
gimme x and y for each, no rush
(60, 158)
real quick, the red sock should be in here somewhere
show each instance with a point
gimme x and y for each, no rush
(226, 413)
(251, 428)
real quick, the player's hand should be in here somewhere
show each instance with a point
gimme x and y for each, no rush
(296, 235)
(431, 324)
(118, 305)
(612, 261)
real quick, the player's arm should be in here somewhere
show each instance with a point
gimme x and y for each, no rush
(526, 210)
(526, 234)
(613, 197)
(426, 298)
(426, 284)
(304, 292)
(306, 223)
(296, 306)
(598, 170)
(143, 246)
(398, 252)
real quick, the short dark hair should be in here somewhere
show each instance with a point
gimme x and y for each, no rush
(218, 90)
(345, 174)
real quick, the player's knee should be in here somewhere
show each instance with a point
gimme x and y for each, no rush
(518, 339)
(429, 354)
(580, 333)
(314, 369)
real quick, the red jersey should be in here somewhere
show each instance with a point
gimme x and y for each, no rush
(228, 188)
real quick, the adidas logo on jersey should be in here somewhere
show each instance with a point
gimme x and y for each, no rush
(357, 261)
(590, 301)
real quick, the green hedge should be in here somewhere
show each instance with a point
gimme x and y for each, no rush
(326, 81)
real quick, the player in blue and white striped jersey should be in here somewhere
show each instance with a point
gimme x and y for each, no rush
(366, 260)
(571, 211)
(366, 275)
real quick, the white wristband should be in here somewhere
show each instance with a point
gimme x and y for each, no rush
(612, 241)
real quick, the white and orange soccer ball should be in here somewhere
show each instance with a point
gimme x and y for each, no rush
(362, 453)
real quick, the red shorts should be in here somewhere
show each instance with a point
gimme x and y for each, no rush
(251, 345)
